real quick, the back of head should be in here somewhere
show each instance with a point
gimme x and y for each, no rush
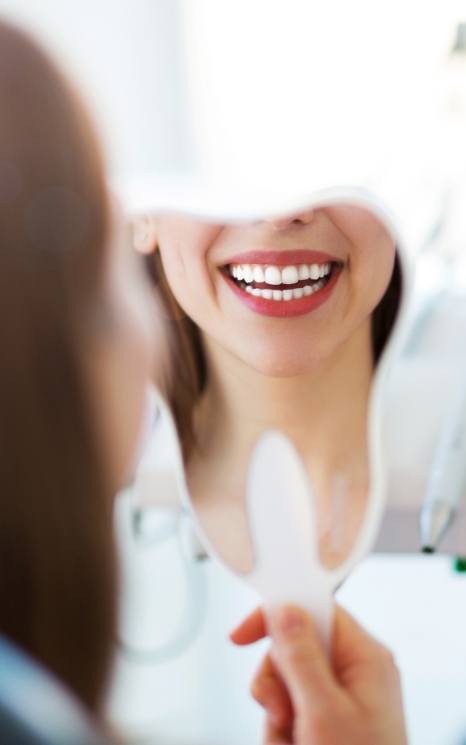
(57, 573)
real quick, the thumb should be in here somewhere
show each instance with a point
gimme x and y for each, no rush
(301, 659)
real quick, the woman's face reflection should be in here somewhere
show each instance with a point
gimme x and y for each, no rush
(285, 313)
(280, 337)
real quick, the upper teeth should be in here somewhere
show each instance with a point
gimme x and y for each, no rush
(275, 275)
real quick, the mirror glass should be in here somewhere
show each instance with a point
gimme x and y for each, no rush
(275, 324)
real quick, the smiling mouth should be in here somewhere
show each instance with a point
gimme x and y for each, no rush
(282, 283)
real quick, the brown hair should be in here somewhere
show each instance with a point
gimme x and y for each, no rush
(57, 567)
(187, 356)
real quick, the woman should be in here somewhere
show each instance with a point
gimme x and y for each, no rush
(277, 324)
(77, 352)
(76, 338)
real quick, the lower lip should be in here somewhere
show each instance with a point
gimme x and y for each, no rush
(285, 308)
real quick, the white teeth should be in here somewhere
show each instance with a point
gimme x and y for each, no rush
(296, 294)
(289, 275)
(248, 274)
(273, 275)
(258, 274)
(314, 271)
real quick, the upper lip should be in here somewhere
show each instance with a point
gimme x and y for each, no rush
(293, 257)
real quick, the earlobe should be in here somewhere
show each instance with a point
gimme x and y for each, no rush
(144, 234)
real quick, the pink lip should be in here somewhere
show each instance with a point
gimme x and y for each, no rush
(284, 308)
(282, 258)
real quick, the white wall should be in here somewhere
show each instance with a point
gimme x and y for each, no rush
(125, 57)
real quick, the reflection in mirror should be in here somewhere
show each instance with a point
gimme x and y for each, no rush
(276, 324)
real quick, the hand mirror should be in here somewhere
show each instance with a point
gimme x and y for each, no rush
(282, 334)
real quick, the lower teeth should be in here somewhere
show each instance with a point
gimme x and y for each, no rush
(281, 295)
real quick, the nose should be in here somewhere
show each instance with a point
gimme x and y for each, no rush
(301, 218)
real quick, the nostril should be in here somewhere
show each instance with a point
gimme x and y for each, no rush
(302, 218)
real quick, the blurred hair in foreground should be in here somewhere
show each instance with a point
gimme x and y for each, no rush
(57, 565)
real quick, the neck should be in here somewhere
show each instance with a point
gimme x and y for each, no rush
(323, 410)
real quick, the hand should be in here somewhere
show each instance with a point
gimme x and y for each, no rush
(354, 698)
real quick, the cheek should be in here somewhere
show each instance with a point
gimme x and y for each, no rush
(184, 247)
(125, 371)
(372, 270)
(188, 277)
(181, 278)
(372, 254)
(136, 351)
(125, 406)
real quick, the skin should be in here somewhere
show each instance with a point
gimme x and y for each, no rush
(120, 356)
(308, 376)
(352, 697)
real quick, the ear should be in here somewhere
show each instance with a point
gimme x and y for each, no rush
(144, 234)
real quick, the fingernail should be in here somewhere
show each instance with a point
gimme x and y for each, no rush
(288, 622)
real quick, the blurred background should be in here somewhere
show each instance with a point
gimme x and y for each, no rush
(312, 94)
(282, 98)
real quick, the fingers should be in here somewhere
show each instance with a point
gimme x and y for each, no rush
(311, 698)
(302, 661)
(277, 736)
(269, 690)
(351, 643)
(250, 630)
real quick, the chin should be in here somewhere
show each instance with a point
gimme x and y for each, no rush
(285, 364)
